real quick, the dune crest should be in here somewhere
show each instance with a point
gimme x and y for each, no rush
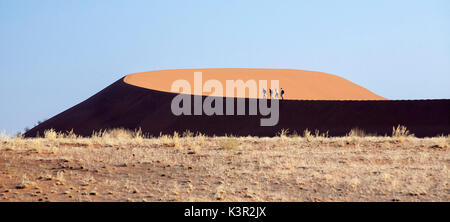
(298, 84)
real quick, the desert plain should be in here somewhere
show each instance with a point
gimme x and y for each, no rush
(123, 165)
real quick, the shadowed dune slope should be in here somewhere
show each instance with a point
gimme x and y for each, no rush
(298, 84)
(125, 105)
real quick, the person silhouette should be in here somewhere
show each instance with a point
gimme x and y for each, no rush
(264, 93)
(282, 93)
(270, 93)
(276, 93)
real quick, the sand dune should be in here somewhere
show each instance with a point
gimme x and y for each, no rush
(129, 103)
(298, 84)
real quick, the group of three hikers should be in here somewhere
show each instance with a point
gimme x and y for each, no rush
(276, 93)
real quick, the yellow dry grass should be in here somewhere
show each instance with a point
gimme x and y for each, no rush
(122, 165)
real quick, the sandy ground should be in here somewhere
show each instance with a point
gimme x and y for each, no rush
(298, 84)
(225, 169)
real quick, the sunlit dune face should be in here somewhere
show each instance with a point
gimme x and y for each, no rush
(297, 84)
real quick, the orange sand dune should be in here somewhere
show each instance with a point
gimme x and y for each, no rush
(123, 105)
(298, 84)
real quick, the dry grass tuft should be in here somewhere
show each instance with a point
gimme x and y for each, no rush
(442, 142)
(317, 134)
(176, 141)
(196, 149)
(50, 134)
(25, 183)
(356, 132)
(188, 133)
(401, 131)
(119, 134)
(200, 139)
(283, 133)
(229, 143)
(307, 134)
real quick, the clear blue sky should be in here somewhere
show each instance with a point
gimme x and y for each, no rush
(55, 54)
